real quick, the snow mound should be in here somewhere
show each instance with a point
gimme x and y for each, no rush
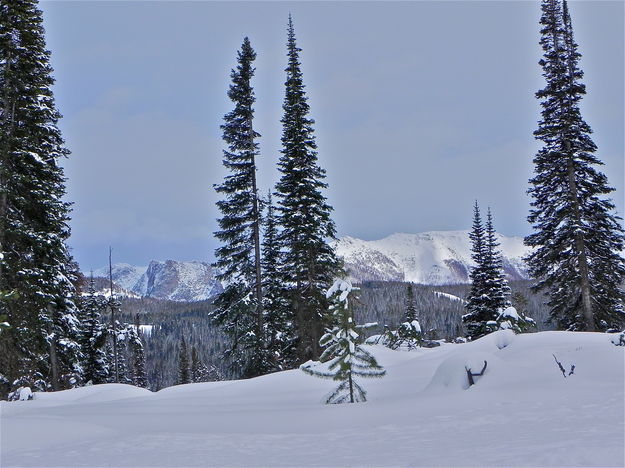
(91, 394)
(451, 374)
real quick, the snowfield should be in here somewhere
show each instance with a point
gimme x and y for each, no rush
(521, 412)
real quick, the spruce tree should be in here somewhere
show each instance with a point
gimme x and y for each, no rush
(577, 237)
(409, 333)
(239, 309)
(139, 374)
(495, 282)
(93, 338)
(488, 304)
(36, 263)
(183, 363)
(196, 366)
(308, 263)
(344, 356)
(477, 305)
(281, 337)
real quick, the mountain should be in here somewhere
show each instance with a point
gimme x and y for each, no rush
(170, 280)
(435, 258)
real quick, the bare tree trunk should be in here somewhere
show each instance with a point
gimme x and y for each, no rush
(351, 388)
(113, 322)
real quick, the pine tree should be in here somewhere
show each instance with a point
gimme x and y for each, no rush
(495, 282)
(577, 238)
(93, 338)
(477, 305)
(36, 263)
(183, 363)
(488, 304)
(139, 375)
(279, 325)
(345, 357)
(308, 263)
(239, 309)
(409, 333)
(196, 366)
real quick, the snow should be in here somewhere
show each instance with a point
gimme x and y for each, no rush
(510, 312)
(521, 412)
(435, 257)
(451, 297)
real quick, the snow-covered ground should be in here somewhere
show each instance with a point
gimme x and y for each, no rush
(521, 412)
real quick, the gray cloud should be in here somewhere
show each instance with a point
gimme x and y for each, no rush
(421, 107)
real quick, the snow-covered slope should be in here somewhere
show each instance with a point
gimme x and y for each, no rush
(171, 280)
(521, 412)
(437, 257)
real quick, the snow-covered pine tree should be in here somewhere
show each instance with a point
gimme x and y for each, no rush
(577, 237)
(33, 216)
(488, 304)
(239, 309)
(344, 355)
(477, 305)
(280, 333)
(124, 374)
(139, 375)
(495, 281)
(184, 376)
(308, 263)
(409, 332)
(93, 338)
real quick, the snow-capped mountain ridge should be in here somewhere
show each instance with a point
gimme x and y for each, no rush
(433, 257)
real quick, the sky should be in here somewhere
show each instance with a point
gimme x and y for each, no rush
(420, 107)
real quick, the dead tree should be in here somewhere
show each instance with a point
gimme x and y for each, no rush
(470, 374)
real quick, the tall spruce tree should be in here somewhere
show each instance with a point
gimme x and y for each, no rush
(93, 338)
(36, 265)
(239, 309)
(577, 237)
(308, 263)
(488, 297)
(495, 282)
(477, 301)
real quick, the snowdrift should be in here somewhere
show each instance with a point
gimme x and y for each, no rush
(521, 412)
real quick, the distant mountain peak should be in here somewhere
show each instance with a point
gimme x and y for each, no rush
(433, 257)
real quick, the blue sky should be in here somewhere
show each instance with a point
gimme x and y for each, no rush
(421, 107)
